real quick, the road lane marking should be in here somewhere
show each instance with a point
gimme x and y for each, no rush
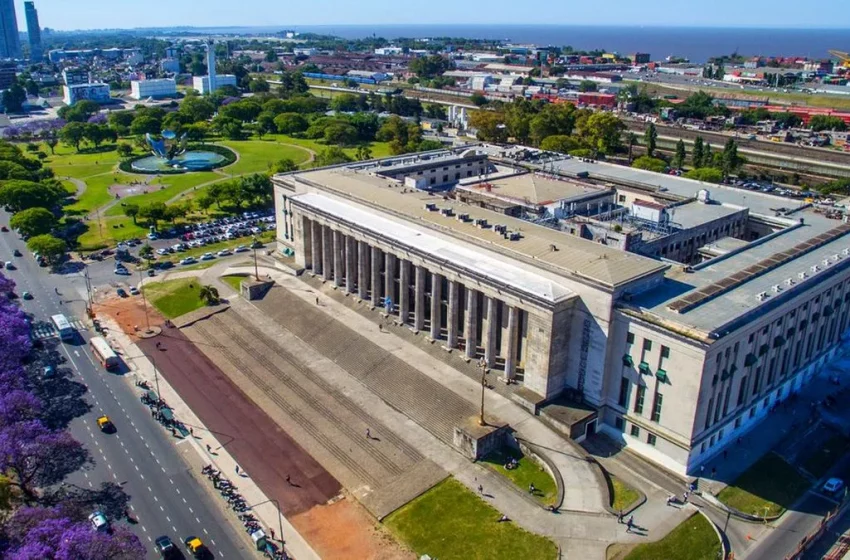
(145, 530)
(184, 501)
(76, 353)
(132, 507)
(168, 518)
(115, 476)
(162, 509)
(141, 475)
(91, 485)
(171, 480)
(156, 500)
(149, 490)
(198, 520)
(205, 532)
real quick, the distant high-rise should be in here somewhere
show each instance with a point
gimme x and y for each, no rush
(211, 64)
(33, 31)
(10, 43)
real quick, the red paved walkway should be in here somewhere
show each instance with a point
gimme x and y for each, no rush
(265, 451)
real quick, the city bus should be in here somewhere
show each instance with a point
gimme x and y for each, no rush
(104, 353)
(63, 327)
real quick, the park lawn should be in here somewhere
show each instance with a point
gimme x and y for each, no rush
(175, 297)
(694, 539)
(97, 191)
(450, 522)
(255, 156)
(819, 462)
(233, 281)
(624, 495)
(770, 485)
(527, 472)
(66, 162)
(70, 187)
(112, 230)
(173, 186)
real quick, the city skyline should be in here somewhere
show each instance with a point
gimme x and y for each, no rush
(100, 14)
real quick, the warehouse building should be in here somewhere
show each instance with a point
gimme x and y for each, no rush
(675, 357)
(157, 89)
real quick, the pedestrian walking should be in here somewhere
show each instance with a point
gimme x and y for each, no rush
(685, 496)
(209, 449)
(317, 301)
(380, 327)
(620, 517)
(368, 433)
(629, 523)
(158, 344)
(192, 432)
(271, 531)
(531, 488)
(237, 469)
(480, 489)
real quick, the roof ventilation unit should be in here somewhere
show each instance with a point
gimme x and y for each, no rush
(789, 281)
(761, 296)
(777, 288)
(802, 275)
(826, 263)
(481, 222)
(815, 268)
(430, 206)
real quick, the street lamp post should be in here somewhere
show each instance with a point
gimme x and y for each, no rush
(144, 303)
(279, 514)
(483, 365)
(256, 268)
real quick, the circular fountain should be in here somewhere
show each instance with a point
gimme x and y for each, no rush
(169, 154)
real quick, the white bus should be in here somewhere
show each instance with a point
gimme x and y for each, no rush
(104, 353)
(63, 327)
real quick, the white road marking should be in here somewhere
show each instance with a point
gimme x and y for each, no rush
(132, 507)
(137, 467)
(178, 490)
(115, 476)
(91, 485)
(141, 475)
(160, 507)
(76, 353)
(145, 530)
(149, 489)
(109, 466)
(191, 510)
(86, 475)
(171, 480)
(197, 520)
(205, 532)
(156, 500)
(213, 542)
(184, 500)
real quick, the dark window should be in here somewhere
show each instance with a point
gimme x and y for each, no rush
(647, 345)
(635, 431)
(651, 439)
(630, 338)
(620, 424)
(665, 352)
(742, 391)
(656, 407)
(624, 392)
(641, 393)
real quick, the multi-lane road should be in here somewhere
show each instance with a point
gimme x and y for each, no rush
(141, 456)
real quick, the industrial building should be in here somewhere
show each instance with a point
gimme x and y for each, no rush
(675, 342)
(98, 92)
(157, 89)
(201, 84)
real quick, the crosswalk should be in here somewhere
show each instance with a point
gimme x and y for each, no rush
(45, 330)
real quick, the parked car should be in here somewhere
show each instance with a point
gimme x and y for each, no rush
(207, 257)
(16, 253)
(833, 486)
(99, 522)
(26, 295)
(121, 271)
(134, 291)
(241, 249)
(189, 260)
(224, 253)
(121, 292)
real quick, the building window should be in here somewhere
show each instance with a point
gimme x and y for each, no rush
(665, 355)
(737, 422)
(651, 439)
(635, 431)
(624, 392)
(620, 424)
(621, 198)
(641, 393)
(647, 345)
(630, 338)
(656, 407)
(742, 391)
(752, 412)
(708, 412)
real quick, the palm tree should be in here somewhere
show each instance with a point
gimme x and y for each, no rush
(209, 295)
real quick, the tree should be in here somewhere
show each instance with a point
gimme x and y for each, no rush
(145, 124)
(331, 156)
(650, 139)
(196, 108)
(363, 153)
(265, 124)
(283, 165)
(290, 123)
(33, 221)
(132, 211)
(146, 252)
(124, 150)
(698, 156)
(228, 127)
(204, 201)
(19, 195)
(706, 174)
(259, 85)
(559, 143)
(209, 295)
(196, 132)
(120, 121)
(819, 123)
(98, 133)
(340, 133)
(13, 98)
(174, 211)
(600, 132)
(427, 67)
(347, 102)
(587, 85)
(730, 161)
(681, 155)
(52, 140)
(13, 170)
(650, 164)
(478, 99)
(490, 125)
(553, 119)
(49, 247)
(153, 212)
(73, 134)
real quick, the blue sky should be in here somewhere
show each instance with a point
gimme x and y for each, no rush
(87, 14)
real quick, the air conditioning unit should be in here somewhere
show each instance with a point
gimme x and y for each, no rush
(826, 262)
(777, 288)
(430, 206)
(761, 296)
(815, 268)
(802, 275)
(789, 281)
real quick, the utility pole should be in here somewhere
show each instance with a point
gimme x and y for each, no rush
(90, 310)
(483, 365)
(256, 268)
(144, 303)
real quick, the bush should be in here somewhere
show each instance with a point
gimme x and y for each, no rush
(650, 164)
(706, 174)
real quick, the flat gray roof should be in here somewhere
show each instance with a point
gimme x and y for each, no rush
(695, 214)
(533, 188)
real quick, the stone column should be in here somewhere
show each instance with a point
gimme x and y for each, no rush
(490, 332)
(363, 270)
(436, 305)
(327, 253)
(338, 255)
(350, 264)
(419, 299)
(316, 242)
(389, 280)
(452, 314)
(377, 259)
(471, 327)
(404, 291)
(511, 342)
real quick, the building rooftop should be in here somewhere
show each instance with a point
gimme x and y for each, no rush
(561, 252)
(534, 188)
(695, 214)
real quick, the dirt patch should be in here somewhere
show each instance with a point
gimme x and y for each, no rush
(345, 529)
(128, 312)
(120, 190)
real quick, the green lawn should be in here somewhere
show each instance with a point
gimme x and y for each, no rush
(771, 482)
(624, 495)
(450, 522)
(527, 472)
(234, 282)
(173, 185)
(174, 297)
(256, 155)
(819, 462)
(694, 539)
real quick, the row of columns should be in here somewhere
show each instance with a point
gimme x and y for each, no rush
(357, 267)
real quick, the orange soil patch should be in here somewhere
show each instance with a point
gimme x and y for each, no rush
(345, 529)
(129, 313)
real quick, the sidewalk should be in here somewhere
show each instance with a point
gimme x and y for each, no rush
(267, 513)
(583, 527)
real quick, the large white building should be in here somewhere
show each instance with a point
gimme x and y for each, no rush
(202, 83)
(143, 89)
(674, 359)
(98, 92)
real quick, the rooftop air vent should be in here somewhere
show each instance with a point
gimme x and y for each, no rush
(515, 236)
(789, 281)
(826, 262)
(463, 217)
(447, 212)
(802, 275)
(761, 296)
(430, 206)
(836, 257)
(815, 268)
(481, 222)
(777, 288)
(845, 251)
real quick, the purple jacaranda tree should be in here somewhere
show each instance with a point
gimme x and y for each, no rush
(18, 405)
(98, 118)
(228, 100)
(36, 456)
(15, 341)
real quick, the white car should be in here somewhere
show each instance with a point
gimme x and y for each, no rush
(189, 260)
(162, 251)
(207, 257)
(241, 249)
(224, 253)
(98, 522)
